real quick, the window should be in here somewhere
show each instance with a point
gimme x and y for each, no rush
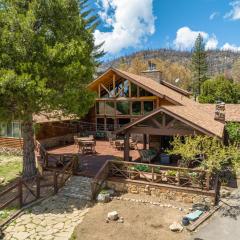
(123, 108)
(148, 106)
(133, 90)
(100, 108)
(110, 108)
(11, 129)
(136, 108)
(144, 93)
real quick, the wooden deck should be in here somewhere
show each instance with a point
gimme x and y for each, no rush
(91, 163)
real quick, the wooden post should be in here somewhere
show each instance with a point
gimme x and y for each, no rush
(129, 89)
(152, 174)
(208, 180)
(126, 147)
(144, 141)
(114, 85)
(55, 183)
(99, 90)
(20, 193)
(38, 185)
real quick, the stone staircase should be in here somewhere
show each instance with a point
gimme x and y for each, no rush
(77, 187)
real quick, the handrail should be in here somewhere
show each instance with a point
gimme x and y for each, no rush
(157, 166)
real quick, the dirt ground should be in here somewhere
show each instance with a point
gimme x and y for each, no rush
(141, 222)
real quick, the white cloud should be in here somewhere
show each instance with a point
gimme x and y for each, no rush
(211, 43)
(130, 21)
(234, 13)
(213, 15)
(186, 38)
(230, 47)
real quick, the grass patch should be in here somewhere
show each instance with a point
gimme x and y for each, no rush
(6, 213)
(10, 168)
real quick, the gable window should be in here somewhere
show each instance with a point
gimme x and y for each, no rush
(123, 108)
(144, 93)
(136, 108)
(148, 106)
(11, 129)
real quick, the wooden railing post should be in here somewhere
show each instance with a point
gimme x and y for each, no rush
(208, 180)
(152, 174)
(55, 182)
(20, 192)
(38, 186)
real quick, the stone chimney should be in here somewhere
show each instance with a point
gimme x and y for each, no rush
(152, 72)
(220, 112)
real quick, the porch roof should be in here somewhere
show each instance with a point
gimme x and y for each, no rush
(188, 115)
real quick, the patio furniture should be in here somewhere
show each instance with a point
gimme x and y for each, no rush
(86, 146)
(147, 155)
(133, 144)
(119, 144)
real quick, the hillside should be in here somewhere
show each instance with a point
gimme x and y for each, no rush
(175, 64)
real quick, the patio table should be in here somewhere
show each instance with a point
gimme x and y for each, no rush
(87, 146)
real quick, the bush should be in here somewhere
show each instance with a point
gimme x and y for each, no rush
(233, 130)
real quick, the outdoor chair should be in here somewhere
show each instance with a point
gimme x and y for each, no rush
(119, 145)
(133, 144)
(147, 155)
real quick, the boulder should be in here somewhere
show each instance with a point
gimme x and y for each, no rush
(113, 216)
(224, 193)
(176, 227)
(103, 197)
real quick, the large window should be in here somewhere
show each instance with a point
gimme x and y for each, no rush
(123, 108)
(144, 93)
(136, 108)
(100, 108)
(133, 90)
(148, 106)
(110, 108)
(11, 129)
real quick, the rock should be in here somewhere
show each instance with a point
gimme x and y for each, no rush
(103, 197)
(120, 220)
(113, 216)
(224, 193)
(2, 179)
(176, 227)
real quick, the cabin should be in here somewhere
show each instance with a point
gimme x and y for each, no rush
(134, 119)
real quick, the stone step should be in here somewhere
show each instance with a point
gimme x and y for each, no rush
(77, 187)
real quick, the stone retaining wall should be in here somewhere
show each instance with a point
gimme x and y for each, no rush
(163, 193)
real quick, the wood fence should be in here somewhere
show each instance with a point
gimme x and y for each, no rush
(184, 178)
(24, 191)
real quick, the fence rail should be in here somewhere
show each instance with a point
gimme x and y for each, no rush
(182, 177)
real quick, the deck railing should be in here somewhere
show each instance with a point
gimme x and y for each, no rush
(176, 176)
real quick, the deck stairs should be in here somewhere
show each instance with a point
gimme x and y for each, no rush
(77, 187)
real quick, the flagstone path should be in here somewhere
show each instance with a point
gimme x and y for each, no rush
(54, 218)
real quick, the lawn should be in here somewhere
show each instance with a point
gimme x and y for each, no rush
(10, 168)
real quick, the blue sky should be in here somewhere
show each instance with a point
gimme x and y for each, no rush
(131, 25)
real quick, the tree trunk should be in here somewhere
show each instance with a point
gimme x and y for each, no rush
(29, 164)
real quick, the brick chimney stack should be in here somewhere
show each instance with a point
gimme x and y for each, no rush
(220, 112)
(152, 72)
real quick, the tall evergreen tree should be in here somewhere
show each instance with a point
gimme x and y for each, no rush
(199, 65)
(47, 57)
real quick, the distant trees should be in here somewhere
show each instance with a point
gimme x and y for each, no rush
(236, 71)
(199, 65)
(219, 89)
(170, 70)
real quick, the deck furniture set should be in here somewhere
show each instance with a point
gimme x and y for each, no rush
(119, 143)
(85, 144)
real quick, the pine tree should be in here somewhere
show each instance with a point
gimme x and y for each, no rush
(199, 65)
(47, 57)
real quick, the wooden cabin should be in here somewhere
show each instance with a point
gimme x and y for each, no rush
(139, 104)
